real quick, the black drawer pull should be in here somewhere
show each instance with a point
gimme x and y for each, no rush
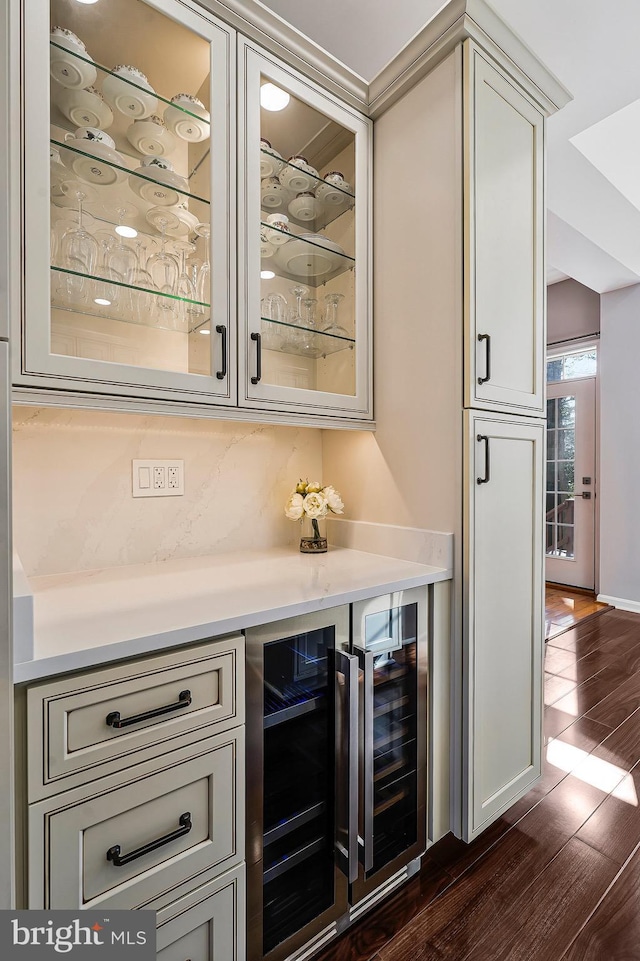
(114, 719)
(113, 854)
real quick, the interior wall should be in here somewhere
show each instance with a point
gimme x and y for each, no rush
(620, 445)
(573, 310)
(73, 508)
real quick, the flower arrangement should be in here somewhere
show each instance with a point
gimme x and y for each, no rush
(310, 502)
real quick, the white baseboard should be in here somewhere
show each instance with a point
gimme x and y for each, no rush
(622, 603)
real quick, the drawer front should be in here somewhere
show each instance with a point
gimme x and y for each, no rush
(208, 925)
(131, 843)
(89, 726)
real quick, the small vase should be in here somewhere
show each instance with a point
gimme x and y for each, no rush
(313, 539)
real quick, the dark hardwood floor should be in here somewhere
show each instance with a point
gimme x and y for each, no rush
(557, 878)
(567, 606)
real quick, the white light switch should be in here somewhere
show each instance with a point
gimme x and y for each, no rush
(157, 478)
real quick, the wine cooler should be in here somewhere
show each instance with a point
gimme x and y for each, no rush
(336, 764)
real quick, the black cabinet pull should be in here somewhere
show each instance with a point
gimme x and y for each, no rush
(221, 329)
(114, 719)
(113, 854)
(258, 340)
(487, 463)
(487, 338)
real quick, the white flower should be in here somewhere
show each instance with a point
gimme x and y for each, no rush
(294, 507)
(333, 499)
(315, 505)
(314, 487)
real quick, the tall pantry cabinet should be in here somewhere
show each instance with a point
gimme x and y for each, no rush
(459, 295)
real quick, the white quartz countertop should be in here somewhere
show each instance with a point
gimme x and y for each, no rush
(89, 618)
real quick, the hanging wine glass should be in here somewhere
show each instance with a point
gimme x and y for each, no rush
(106, 294)
(185, 289)
(78, 249)
(203, 286)
(308, 344)
(142, 279)
(164, 271)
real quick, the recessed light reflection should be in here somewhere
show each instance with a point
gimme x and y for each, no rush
(122, 229)
(87, 1)
(203, 330)
(101, 301)
(267, 275)
(272, 97)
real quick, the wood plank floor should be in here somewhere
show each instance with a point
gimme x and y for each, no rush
(566, 607)
(557, 878)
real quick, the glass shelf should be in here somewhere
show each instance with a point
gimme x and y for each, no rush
(302, 341)
(64, 145)
(299, 259)
(348, 196)
(328, 215)
(194, 315)
(130, 83)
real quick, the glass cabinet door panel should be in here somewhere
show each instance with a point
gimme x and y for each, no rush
(307, 260)
(138, 130)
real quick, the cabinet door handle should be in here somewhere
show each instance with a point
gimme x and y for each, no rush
(222, 329)
(347, 734)
(365, 709)
(487, 338)
(487, 460)
(118, 860)
(114, 719)
(258, 340)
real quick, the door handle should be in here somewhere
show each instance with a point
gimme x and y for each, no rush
(487, 459)
(487, 340)
(221, 329)
(258, 375)
(347, 752)
(119, 860)
(365, 793)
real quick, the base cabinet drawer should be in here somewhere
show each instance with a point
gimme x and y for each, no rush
(207, 925)
(127, 845)
(85, 727)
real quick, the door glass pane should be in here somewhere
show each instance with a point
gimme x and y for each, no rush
(130, 187)
(560, 479)
(392, 637)
(307, 247)
(299, 713)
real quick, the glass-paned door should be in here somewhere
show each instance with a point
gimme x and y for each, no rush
(306, 182)
(391, 704)
(570, 493)
(299, 739)
(136, 222)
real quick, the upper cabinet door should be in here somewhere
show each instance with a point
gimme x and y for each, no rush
(304, 223)
(129, 132)
(504, 242)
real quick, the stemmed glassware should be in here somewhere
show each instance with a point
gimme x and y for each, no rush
(293, 336)
(203, 287)
(331, 325)
(164, 271)
(78, 249)
(143, 279)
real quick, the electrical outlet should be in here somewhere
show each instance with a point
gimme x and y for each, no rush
(157, 478)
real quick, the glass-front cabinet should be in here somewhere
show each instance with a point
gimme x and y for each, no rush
(128, 238)
(305, 270)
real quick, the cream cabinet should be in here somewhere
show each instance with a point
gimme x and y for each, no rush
(139, 280)
(133, 793)
(504, 241)
(503, 613)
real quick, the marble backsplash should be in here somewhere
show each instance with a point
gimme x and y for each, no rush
(72, 502)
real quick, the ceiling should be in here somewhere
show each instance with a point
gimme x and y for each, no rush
(593, 227)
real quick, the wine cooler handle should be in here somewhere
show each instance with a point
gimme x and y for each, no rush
(365, 707)
(347, 675)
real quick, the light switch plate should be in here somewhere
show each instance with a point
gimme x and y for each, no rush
(157, 478)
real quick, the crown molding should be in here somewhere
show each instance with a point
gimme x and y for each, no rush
(260, 24)
(456, 21)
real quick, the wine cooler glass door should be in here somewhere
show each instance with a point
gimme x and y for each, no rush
(391, 651)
